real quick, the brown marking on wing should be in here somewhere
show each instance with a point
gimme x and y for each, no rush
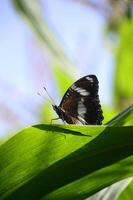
(70, 106)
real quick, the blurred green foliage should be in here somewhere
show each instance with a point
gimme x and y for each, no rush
(123, 85)
(123, 90)
(63, 78)
(46, 112)
(109, 113)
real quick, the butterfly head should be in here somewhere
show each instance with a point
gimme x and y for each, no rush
(57, 110)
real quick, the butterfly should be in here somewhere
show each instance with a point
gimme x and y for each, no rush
(80, 104)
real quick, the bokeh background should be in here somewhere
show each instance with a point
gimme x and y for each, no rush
(52, 43)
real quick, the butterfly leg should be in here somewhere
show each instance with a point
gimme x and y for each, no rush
(54, 119)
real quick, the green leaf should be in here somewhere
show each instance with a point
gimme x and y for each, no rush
(54, 162)
(112, 192)
(125, 118)
(65, 162)
(127, 194)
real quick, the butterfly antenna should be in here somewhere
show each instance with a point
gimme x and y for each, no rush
(52, 101)
(43, 97)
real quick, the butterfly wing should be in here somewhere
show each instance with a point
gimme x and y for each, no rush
(81, 104)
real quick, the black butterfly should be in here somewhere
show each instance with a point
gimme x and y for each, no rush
(80, 104)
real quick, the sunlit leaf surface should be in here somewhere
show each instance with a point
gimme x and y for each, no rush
(65, 162)
(127, 194)
(125, 118)
(112, 192)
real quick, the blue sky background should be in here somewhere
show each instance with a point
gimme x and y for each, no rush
(81, 31)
